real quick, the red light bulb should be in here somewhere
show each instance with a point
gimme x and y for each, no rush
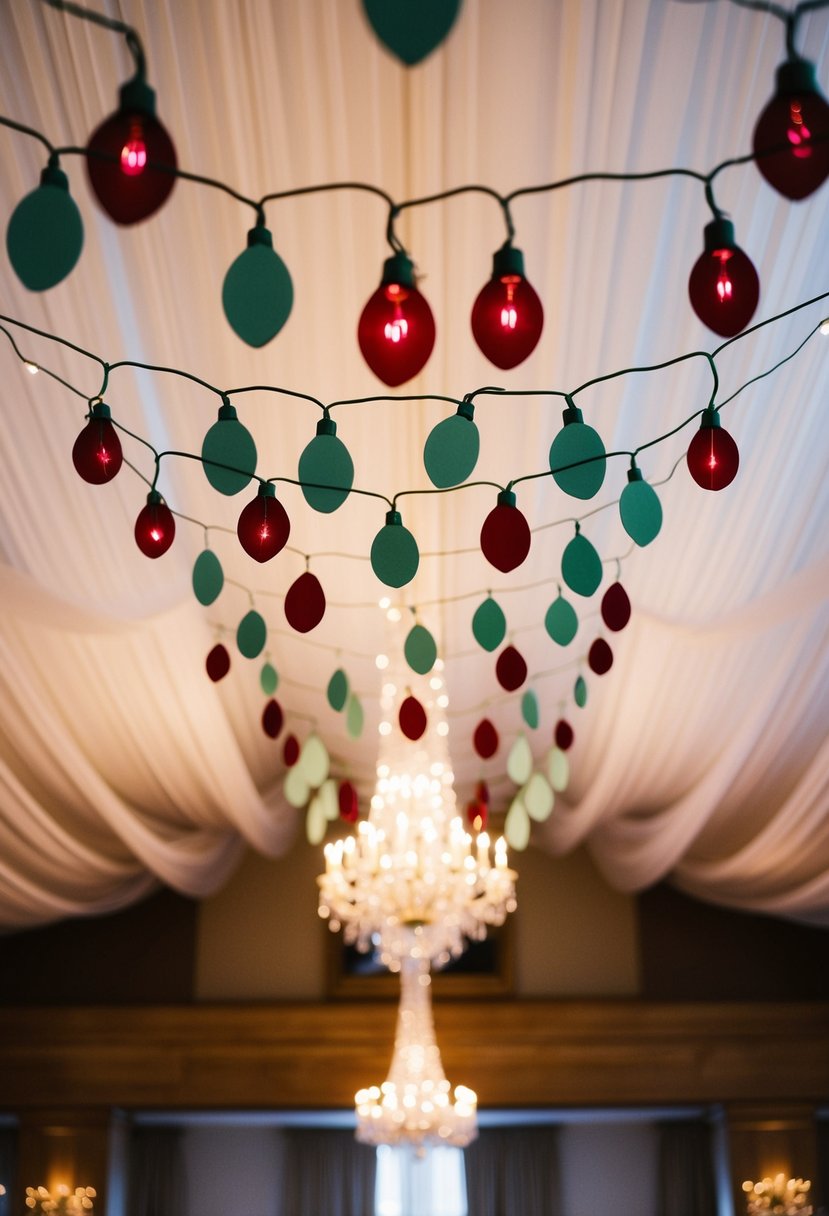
(795, 123)
(507, 316)
(119, 156)
(155, 528)
(263, 527)
(713, 457)
(724, 287)
(505, 535)
(396, 331)
(96, 453)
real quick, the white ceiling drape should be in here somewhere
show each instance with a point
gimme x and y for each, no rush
(702, 756)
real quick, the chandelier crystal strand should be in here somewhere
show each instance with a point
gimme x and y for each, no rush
(414, 1104)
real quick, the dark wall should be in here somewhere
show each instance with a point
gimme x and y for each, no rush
(691, 951)
(143, 955)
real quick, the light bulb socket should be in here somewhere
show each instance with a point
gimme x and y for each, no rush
(394, 518)
(326, 426)
(709, 418)
(506, 498)
(398, 269)
(227, 413)
(796, 76)
(266, 489)
(100, 409)
(466, 410)
(260, 235)
(507, 261)
(634, 473)
(53, 176)
(154, 498)
(719, 234)
(136, 97)
(571, 414)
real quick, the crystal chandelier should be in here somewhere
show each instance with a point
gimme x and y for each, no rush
(414, 885)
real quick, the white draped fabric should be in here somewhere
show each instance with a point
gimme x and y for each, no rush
(702, 756)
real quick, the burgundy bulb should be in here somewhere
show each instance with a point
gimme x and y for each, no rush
(713, 457)
(348, 802)
(121, 151)
(795, 123)
(505, 535)
(724, 287)
(507, 316)
(263, 527)
(155, 528)
(396, 331)
(96, 453)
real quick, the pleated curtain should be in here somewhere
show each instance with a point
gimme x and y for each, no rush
(514, 1171)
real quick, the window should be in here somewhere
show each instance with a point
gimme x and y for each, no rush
(409, 1185)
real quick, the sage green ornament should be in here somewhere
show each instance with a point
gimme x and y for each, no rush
(354, 717)
(411, 31)
(575, 443)
(420, 649)
(489, 625)
(44, 238)
(517, 825)
(326, 470)
(394, 553)
(580, 692)
(268, 679)
(538, 797)
(228, 453)
(561, 621)
(316, 823)
(314, 761)
(520, 761)
(529, 709)
(581, 566)
(640, 509)
(208, 577)
(295, 787)
(257, 294)
(251, 635)
(451, 450)
(329, 799)
(338, 690)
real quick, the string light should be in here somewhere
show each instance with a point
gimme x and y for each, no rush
(724, 287)
(507, 317)
(155, 527)
(396, 331)
(791, 139)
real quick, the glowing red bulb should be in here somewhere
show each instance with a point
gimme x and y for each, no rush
(155, 527)
(713, 457)
(791, 139)
(263, 527)
(724, 287)
(507, 317)
(120, 154)
(396, 331)
(96, 453)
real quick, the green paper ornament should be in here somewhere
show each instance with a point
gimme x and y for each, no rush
(326, 461)
(520, 761)
(329, 798)
(228, 453)
(529, 709)
(581, 566)
(580, 692)
(314, 761)
(538, 797)
(338, 690)
(517, 825)
(558, 769)
(420, 649)
(394, 553)
(316, 823)
(295, 788)
(251, 635)
(208, 577)
(411, 31)
(354, 717)
(561, 621)
(451, 450)
(268, 679)
(45, 233)
(576, 441)
(257, 294)
(640, 509)
(489, 625)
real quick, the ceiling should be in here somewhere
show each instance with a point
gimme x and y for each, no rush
(702, 756)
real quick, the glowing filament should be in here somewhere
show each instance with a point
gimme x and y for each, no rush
(798, 133)
(134, 154)
(396, 329)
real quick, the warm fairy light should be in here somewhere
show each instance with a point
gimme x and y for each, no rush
(62, 1201)
(381, 662)
(384, 728)
(824, 326)
(779, 1196)
(31, 368)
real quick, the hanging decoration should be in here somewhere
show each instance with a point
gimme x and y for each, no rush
(577, 456)
(791, 139)
(724, 287)
(228, 452)
(272, 719)
(451, 450)
(257, 293)
(563, 735)
(640, 508)
(208, 577)
(713, 458)
(505, 534)
(529, 709)
(348, 802)
(412, 718)
(561, 621)
(337, 691)
(615, 607)
(218, 663)
(420, 650)
(251, 634)
(268, 679)
(97, 454)
(290, 751)
(580, 692)
(305, 603)
(44, 238)
(412, 32)
(581, 566)
(155, 527)
(394, 553)
(510, 669)
(326, 470)
(263, 527)
(354, 717)
(485, 739)
(507, 317)
(396, 331)
(489, 625)
(599, 657)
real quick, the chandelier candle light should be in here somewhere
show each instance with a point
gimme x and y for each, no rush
(414, 885)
